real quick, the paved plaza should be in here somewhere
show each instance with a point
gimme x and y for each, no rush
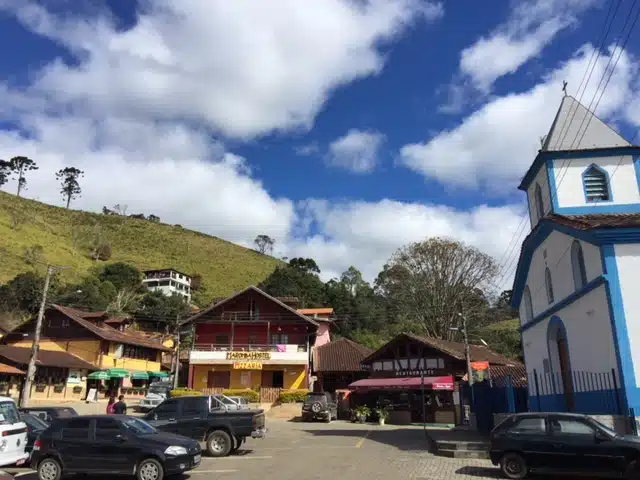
(295, 451)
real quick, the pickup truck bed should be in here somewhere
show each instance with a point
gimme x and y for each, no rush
(221, 431)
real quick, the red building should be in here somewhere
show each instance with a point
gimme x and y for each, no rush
(253, 340)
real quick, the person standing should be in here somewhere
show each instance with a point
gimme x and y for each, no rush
(120, 408)
(110, 405)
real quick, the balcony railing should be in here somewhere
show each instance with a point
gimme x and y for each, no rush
(240, 347)
(245, 316)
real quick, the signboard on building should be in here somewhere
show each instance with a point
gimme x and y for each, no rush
(248, 355)
(247, 366)
(429, 372)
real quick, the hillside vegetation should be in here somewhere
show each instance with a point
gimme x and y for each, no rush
(67, 236)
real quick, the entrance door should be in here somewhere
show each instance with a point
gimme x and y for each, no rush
(277, 380)
(219, 379)
(565, 372)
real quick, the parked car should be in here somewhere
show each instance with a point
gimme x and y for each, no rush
(111, 445)
(319, 406)
(13, 434)
(35, 426)
(202, 418)
(49, 414)
(561, 443)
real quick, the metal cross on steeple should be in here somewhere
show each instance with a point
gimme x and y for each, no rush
(564, 88)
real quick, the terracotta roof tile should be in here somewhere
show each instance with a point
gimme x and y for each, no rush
(518, 375)
(46, 358)
(588, 222)
(342, 355)
(9, 370)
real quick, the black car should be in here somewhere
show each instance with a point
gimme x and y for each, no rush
(49, 414)
(35, 426)
(111, 445)
(319, 406)
(562, 443)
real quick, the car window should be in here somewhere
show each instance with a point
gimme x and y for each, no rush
(528, 426)
(76, 429)
(138, 426)
(9, 413)
(567, 426)
(166, 409)
(66, 413)
(192, 406)
(35, 423)
(106, 429)
(40, 414)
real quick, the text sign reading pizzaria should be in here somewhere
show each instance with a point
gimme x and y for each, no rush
(247, 366)
(248, 356)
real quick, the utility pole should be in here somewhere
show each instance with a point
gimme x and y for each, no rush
(467, 355)
(31, 369)
(176, 367)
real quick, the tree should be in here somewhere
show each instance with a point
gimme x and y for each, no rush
(264, 244)
(430, 283)
(153, 218)
(20, 166)
(305, 264)
(24, 292)
(119, 210)
(68, 177)
(103, 252)
(352, 279)
(5, 172)
(91, 294)
(124, 302)
(289, 281)
(122, 275)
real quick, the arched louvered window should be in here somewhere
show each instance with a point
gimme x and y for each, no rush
(528, 307)
(548, 284)
(596, 184)
(578, 266)
(538, 201)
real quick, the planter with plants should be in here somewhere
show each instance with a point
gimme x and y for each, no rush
(77, 389)
(40, 387)
(4, 387)
(361, 413)
(59, 388)
(382, 414)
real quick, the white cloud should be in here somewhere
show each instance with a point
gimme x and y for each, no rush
(243, 68)
(307, 150)
(356, 151)
(365, 234)
(531, 26)
(494, 146)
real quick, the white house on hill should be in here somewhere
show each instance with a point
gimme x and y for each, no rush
(169, 282)
(576, 281)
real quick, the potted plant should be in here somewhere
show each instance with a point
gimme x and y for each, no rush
(40, 387)
(58, 388)
(362, 413)
(382, 414)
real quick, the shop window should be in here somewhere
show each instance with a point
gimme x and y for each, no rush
(140, 353)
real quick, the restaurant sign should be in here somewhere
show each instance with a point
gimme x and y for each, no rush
(429, 372)
(247, 366)
(248, 355)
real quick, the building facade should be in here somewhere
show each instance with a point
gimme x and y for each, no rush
(251, 340)
(168, 282)
(574, 285)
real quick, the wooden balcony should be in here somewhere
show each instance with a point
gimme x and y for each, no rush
(240, 347)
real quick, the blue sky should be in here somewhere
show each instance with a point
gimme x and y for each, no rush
(344, 129)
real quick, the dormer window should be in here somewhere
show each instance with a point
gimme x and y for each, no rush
(538, 201)
(596, 184)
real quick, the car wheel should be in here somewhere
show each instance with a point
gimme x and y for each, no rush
(149, 469)
(514, 466)
(316, 407)
(327, 418)
(219, 443)
(49, 469)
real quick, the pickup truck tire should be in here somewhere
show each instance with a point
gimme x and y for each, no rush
(149, 469)
(219, 443)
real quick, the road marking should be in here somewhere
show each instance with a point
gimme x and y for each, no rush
(361, 441)
(244, 457)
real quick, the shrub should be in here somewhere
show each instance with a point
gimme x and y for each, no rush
(185, 392)
(251, 395)
(293, 396)
(103, 252)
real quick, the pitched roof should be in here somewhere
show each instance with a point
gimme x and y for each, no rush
(589, 222)
(342, 355)
(518, 374)
(46, 358)
(9, 370)
(108, 333)
(478, 353)
(314, 312)
(248, 289)
(575, 127)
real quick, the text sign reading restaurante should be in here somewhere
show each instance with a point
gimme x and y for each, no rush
(247, 366)
(416, 372)
(248, 355)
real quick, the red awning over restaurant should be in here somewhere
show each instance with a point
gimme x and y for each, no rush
(409, 383)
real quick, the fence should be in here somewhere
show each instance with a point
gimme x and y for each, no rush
(269, 394)
(595, 393)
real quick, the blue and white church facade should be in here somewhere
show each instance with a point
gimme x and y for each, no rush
(577, 284)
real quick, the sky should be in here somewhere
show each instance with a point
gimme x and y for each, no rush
(343, 129)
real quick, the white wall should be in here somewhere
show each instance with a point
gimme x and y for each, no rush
(622, 177)
(589, 335)
(628, 261)
(558, 250)
(542, 179)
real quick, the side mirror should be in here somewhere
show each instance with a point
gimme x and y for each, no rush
(600, 436)
(121, 438)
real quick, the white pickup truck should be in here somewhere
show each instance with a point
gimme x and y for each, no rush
(13, 434)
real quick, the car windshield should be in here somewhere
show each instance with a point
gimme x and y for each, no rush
(606, 429)
(66, 413)
(35, 423)
(137, 426)
(9, 413)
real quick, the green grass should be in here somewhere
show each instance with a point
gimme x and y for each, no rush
(224, 266)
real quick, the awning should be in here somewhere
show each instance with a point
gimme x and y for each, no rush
(409, 383)
(139, 376)
(99, 375)
(158, 374)
(9, 370)
(118, 373)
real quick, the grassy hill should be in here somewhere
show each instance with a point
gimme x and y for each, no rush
(66, 235)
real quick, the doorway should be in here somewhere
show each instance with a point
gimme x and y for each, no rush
(560, 361)
(273, 378)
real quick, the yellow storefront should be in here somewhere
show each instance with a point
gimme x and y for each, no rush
(246, 376)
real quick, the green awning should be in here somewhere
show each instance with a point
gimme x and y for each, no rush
(118, 373)
(158, 374)
(139, 376)
(99, 375)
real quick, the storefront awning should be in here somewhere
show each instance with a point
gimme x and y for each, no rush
(99, 375)
(158, 374)
(118, 373)
(410, 383)
(139, 376)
